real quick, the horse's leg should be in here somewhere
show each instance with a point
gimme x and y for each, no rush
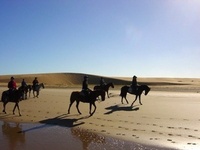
(70, 106)
(16, 105)
(33, 94)
(140, 99)
(77, 103)
(4, 107)
(134, 100)
(37, 93)
(91, 108)
(108, 94)
(122, 99)
(26, 95)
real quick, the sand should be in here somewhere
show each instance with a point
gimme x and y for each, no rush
(167, 119)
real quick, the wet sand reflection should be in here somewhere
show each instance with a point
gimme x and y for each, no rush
(11, 132)
(87, 137)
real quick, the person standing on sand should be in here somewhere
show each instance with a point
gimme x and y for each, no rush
(35, 83)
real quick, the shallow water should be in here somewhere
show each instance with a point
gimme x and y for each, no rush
(23, 136)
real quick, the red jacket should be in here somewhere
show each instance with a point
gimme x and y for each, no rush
(12, 85)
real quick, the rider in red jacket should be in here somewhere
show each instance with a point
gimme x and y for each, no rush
(12, 84)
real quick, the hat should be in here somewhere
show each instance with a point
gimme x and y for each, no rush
(85, 76)
(12, 78)
(134, 77)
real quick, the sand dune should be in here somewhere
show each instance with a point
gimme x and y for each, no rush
(63, 80)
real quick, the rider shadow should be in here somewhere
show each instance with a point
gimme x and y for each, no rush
(118, 108)
(64, 121)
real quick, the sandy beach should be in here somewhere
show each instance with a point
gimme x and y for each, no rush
(166, 120)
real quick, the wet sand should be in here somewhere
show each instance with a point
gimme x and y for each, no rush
(165, 120)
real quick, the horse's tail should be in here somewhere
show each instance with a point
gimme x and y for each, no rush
(73, 96)
(4, 96)
(123, 92)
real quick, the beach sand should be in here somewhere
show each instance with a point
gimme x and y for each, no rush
(166, 120)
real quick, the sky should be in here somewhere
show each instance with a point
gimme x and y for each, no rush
(122, 38)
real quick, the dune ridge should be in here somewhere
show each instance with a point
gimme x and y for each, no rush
(63, 80)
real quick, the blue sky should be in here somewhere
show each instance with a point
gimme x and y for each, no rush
(147, 38)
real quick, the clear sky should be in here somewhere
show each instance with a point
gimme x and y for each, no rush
(147, 38)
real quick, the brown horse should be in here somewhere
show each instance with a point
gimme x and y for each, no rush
(141, 88)
(79, 97)
(105, 87)
(27, 89)
(14, 96)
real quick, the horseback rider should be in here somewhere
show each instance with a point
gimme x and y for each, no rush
(134, 84)
(85, 89)
(23, 84)
(12, 86)
(102, 82)
(35, 83)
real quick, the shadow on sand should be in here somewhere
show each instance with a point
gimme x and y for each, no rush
(120, 108)
(61, 120)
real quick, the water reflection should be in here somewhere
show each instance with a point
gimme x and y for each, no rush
(87, 137)
(12, 135)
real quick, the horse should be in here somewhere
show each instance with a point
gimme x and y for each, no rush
(138, 92)
(105, 87)
(92, 97)
(14, 97)
(37, 89)
(26, 89)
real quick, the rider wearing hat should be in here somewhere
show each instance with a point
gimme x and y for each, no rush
(134, 84)
(35, 83)
(85, 88)
(12, 84)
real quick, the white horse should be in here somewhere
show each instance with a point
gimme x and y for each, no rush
(37, 89)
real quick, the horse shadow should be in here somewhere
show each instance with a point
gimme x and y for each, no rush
(61, 120)
(120, 108)
(65, 120)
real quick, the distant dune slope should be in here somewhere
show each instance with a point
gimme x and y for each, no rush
(75, 80)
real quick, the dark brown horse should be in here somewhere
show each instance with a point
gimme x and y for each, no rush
(14, 96)
(37, 89)
(141, 88)
(27, 89)
(79, 97)
(105, 87)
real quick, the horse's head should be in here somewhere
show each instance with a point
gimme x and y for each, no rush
(112, 85)
(147, 89)
(42, 85)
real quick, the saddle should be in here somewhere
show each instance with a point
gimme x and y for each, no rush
(85, 95)
(132, 91)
